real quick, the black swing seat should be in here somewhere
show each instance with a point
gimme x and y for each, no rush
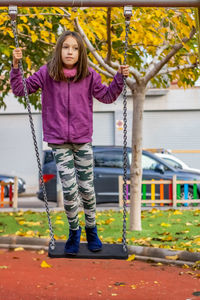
(108, 251)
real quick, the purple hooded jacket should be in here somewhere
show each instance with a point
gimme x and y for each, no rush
(67, 107)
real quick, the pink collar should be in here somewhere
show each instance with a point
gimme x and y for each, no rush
(70, 72)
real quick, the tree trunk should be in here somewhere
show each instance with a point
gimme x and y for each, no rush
(136, 164)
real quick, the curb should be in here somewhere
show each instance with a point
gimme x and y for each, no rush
(163, 253)
(12, 242)
(141, 253)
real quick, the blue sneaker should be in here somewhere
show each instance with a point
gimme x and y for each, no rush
(94, 243)
(72, 244)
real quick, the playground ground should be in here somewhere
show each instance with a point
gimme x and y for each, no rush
(28, 275)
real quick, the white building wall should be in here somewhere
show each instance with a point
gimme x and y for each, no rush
(17, 153)
(171, 120)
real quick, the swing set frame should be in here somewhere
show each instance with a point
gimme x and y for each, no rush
(101, 3)
(56, 249)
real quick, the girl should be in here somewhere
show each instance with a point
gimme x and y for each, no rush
(68, 86)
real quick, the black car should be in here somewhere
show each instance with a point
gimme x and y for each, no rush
(8, 179)
(108, 161)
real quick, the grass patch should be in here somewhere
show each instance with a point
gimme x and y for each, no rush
(172, 229)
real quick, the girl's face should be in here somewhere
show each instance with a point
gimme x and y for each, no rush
(69, 52)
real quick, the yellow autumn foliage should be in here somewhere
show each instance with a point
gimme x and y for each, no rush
(151, 29)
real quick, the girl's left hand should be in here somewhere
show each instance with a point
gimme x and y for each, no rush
(124, 70)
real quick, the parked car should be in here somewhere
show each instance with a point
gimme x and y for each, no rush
(108, 162)
(176, 162)
(7, 179)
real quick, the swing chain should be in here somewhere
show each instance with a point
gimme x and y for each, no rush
(13, 14)
(127, 15)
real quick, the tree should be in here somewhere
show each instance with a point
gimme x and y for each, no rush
(162, 48)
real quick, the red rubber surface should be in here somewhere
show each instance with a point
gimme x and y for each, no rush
(23, 278)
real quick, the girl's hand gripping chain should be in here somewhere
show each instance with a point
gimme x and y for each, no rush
(124, 70)
(17, 55)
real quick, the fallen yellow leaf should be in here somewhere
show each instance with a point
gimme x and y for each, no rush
(185, 266)
(3, 267)
(196, 265)
(30, 233)
(108, 221)
(109, 240)
(188, 224)
(197, 241)
(19, 249)
(165, 224)
(119, 240)
(173, 257)
(190, 273)
(59, 222)
(133, 286)
(131, 257)
(38, 223)
(44, 264)
(41, 252)
(20, 233)
(20, 213)
(100, 229)
(21, 222)
(177, 212)
(154, 211)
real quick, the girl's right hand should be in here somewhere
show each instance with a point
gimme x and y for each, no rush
(17, 55)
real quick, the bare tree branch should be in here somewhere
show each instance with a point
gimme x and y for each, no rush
(132, 71)
(39, 40)
(93, 50)
(161, 63)
(173, 69)
(99, 69)
(112, 71)
(130, 82)
(44, 14)
(65, 11)
(156, 57)
(100, 60)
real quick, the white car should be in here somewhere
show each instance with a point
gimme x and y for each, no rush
(175, 162)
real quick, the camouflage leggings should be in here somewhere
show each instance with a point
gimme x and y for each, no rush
(75, 166)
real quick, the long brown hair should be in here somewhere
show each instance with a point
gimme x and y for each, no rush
(55, 65)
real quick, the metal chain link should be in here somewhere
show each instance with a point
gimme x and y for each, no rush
(125, 156)
(52, 240)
